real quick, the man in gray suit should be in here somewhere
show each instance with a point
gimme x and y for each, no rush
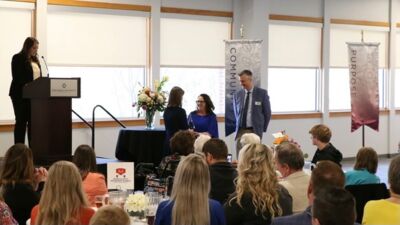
(251, 107)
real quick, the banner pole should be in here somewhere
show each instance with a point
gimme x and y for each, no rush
(363, 135)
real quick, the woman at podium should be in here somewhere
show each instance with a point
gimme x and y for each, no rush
(25, 67)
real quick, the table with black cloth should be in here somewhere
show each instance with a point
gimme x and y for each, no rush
(140, 145)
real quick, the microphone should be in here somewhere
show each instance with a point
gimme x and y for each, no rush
(47, 68)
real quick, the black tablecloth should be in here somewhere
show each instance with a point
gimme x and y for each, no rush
(140, 145)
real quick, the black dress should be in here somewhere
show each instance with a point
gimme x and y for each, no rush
(175, 119)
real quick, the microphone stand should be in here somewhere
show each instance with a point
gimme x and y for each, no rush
(47, 68)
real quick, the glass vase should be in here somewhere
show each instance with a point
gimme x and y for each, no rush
(149, 119)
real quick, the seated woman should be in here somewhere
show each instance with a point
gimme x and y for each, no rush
(63, 200)
(321, 137)
(189, 203)
(182, 144)
(21, 183)
(258, 196)
(6, 217)
(93, 183)
(386, 211)
(364, 168)
(203, 119)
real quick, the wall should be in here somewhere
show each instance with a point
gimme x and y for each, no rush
(256, 26)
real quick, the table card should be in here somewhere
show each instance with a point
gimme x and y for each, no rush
(120, 175)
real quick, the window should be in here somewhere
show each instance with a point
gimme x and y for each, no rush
(294, 62)
(16, 24)
(292, 89)
(112, 87)
(195, 81)
(192, 56)
(339, 89)
(339, 72)
(107, 49)
(397, 89)
(397, 77)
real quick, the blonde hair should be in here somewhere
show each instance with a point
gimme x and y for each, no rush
(110, 215)
(257, 177)
(199, 142)
(190, 192)
(63, 197)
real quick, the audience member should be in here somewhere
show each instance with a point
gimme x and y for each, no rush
(199, 142)
(6, 217)
(203, 119)
(289, 162)
(63, 200)
(333, 206)
(182, 144)
(258, 196)
(21, 183)
(222, 173)
(110, 215)
(174, 117)
(326, 174)
(386, 211)
(93, 183)
(364, 168)
(321, 136)
(189, 203)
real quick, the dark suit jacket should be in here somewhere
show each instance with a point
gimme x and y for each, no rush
(303, 218)
(261, 109)
(22, 74)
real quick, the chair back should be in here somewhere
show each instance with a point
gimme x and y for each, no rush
(366, 192)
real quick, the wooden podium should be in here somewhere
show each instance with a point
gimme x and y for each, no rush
(51, 119)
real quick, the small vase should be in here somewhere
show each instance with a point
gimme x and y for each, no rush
(137, 217)
(149, 119)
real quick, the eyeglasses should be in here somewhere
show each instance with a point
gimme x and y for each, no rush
(198, 101)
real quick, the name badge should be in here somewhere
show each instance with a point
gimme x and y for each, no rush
(257, 103)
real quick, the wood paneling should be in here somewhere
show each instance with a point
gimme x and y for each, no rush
(296, 18)
(199, 12)
(101, 5)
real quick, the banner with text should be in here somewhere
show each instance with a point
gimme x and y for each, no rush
(364, 88)
(239, 55)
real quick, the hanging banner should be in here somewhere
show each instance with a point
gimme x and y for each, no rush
(239, 55)
(364, 88)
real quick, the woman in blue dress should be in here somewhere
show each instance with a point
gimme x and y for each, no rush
(203, 119)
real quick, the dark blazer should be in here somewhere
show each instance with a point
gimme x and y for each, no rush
(245, 214)
(22, 74)
(260, 112)
(303, 218)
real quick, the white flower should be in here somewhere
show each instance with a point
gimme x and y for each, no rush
(136, 202)
(160, 99)
(143, 97)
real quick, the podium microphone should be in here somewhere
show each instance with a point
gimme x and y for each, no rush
(47, 68)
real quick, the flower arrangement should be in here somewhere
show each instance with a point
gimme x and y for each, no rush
(136, 204)
(281, 137)
(149, 100)
(152, 101)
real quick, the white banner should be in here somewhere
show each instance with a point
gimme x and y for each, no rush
(364, 85)
(239, 55)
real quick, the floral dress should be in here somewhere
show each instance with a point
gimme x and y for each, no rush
(6, 217)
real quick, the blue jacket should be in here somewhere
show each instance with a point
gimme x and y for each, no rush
(261, 109)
